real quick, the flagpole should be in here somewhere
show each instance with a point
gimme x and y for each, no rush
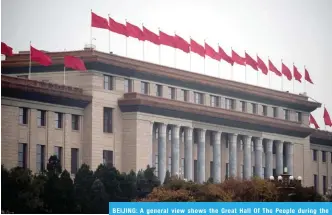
(29, 76)
(64, 75)
(190, 57)
(293, 79)
(91, 32)
(268, 58)
(304, 80)
(245, 70)
(282, 79)
(126, 42)
(143, 45)
(219, 73)
(257, 71)
(232, 69)
(109, 37)
(159, 48)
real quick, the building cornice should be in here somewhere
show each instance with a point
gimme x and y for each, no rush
(22, 88)
(321, 138)
(135, 68)
(134, 102)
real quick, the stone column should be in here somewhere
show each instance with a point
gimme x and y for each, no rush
(175, 150)
(216, 157)
(258, 157)
(201, 155)
(162, 152)
(279, 157)
(232, 155)
(289, 157)
(269, 159)
(188, 154)
(247, 157)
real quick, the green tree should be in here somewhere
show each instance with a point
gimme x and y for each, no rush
(98, 198)
(167, 177)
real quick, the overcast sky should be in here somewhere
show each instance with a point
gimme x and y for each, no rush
(297, 31)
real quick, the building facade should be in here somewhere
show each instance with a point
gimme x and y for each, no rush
(131, 114)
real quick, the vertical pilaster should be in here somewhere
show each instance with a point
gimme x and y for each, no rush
(188, 154)
(216, 157)
(162, 152)
(289, 157)
(279, 157)
(258, 157)
(232, 155)
(201, 156)
(269, 159)
(247, 157)
(175, 150)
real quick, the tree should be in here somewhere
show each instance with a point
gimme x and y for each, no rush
(167, 177)
(98, 198)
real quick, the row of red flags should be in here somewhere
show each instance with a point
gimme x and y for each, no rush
(326, 116)
(45, 60)
(77, 64)
(177, 42)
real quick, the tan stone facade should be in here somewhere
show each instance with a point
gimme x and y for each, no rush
(136, 134)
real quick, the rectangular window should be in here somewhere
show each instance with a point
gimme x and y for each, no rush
(156, 165)
(299, 116)
(323, 156)
(214, 100)
(229, 104)
(58, 153)
(315, 183)
(274, 172)
(227, 170)
(275, 112)
(41, 117)
(159, 91)
(108, 158)
(74, 160)
(274, 149)
(58, 120)
(144, 87)
(254, 108)
(75, 122)
(108, 82)
(127, 85)
(314, 155)
(22, 155)
(264, 110)
(243, 106)
(23, 116)
(171, 92)
(253, 171)
(324, 185)
(227, 141)
(184, 95)
(169, 164)
(40, 158)
(198, 98)
(211, 169)
(108, 119)
(286, 114)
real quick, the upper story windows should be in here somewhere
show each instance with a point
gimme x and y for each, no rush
(214, 101)
(254, 108)
(229, 104)
(275, 112)
(243, 106)
(286, 114)
(314, 155)
(23, 115)
(108, 120)
(127, 85)
(41, 118)
(58, 120)
(198, 98)
(171, 93)
(185, 95)
(159, 90)
(264, 110)
(299, 116)
(75, 122)
(108, 82)
(144, 87)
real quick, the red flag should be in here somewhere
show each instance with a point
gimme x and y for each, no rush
(272, 68)
(98, 21)
(307, 76)
(6, 50)
(327, 118)
(40, 57)
(166, 39)
(313, 121)
(181, 44)
(118, 28)
(134, 31)
(238, 59)
(150, 36)
(297, 75)
(197, 48)
(74, 63)
(285, 70)
(209, 51)
(224, 56)
(251, 62)
(261, 65)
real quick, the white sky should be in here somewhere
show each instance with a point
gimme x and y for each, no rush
(298, 31)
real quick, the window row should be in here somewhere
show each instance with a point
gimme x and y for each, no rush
(42, 118)
(58, 152)
(324, 155)
(215, 101)
(324, 183)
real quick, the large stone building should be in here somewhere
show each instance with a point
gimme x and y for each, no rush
(132, 114)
